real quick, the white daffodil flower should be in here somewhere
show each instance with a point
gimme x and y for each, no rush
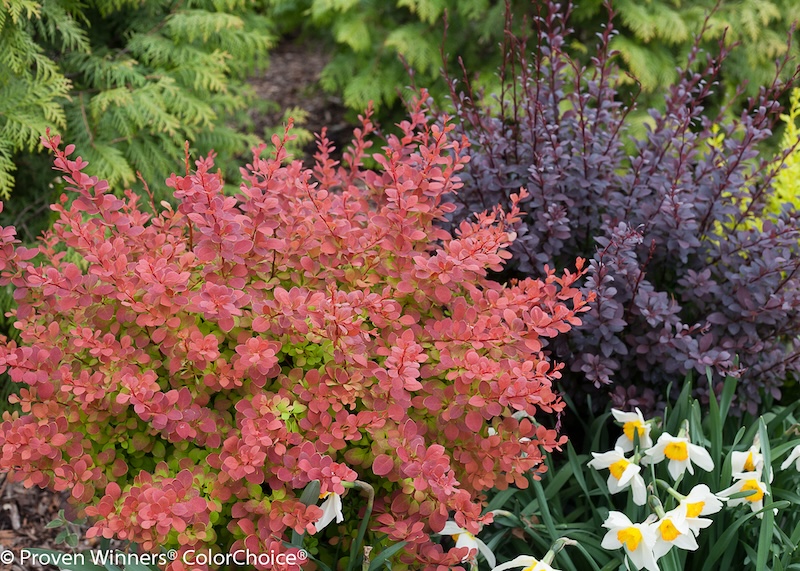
(746, 482)
(699, 502)
(632, 422)
(638, 540)
(331, 509)
(463, 538)
(793, 457)
(529, 563)
(623, 474)
(750, 461)
(681, 454)
(672, 529)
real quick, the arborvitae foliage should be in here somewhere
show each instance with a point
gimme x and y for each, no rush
(694, 266)
(127, 81)
(657, 36)
(369, 36)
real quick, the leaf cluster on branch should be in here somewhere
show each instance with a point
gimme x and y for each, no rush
(693, 264)
(208, 362)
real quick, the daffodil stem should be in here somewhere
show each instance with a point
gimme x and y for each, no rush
(362, 529)
(669, 489)
(655, 503)
(557, 546)
(365, 563)
(364, 487)
(684, 431)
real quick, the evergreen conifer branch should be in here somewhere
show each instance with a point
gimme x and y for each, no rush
(120, 73)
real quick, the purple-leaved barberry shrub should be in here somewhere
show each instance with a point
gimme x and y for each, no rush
(691, 268)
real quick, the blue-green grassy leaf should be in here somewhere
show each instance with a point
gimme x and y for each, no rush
(727, 559)
(715, 426)
(765, 533)
(725, 541)
(355, 547)
(319, 563)
(794, 541)
(598, 431)
(544, 509)
(383, 557)
(310, 494)
(612, 566)
(588, 556)
(782, 449)
(788, 495)
(728, 390)
(577, 470)
(538, 538)
(557, 482)
(751, 553)
(499, 500)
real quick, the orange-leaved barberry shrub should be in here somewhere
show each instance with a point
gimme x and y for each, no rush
(204, 364)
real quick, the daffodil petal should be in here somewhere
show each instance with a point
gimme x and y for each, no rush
(331, 509)
(676, 468)
(643, 557)
(520, 561)
(701, 457)
(610, 541)
(617, 519)
(686, 541)
(452, 528)
(639, 491)
(467, 540)
(794, 455)
(486, 552)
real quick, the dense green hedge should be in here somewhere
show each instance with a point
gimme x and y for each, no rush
(369, 36)
(127, 81)
(130, 81)
(656, 36)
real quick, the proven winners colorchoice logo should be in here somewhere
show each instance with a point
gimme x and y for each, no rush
(240, 557)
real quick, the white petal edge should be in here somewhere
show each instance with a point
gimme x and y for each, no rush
(701, 457)
(520, 561)
(487, 553)
(451, 528)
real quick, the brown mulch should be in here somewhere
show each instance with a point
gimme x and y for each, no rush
(24, 513)
(292, 81)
